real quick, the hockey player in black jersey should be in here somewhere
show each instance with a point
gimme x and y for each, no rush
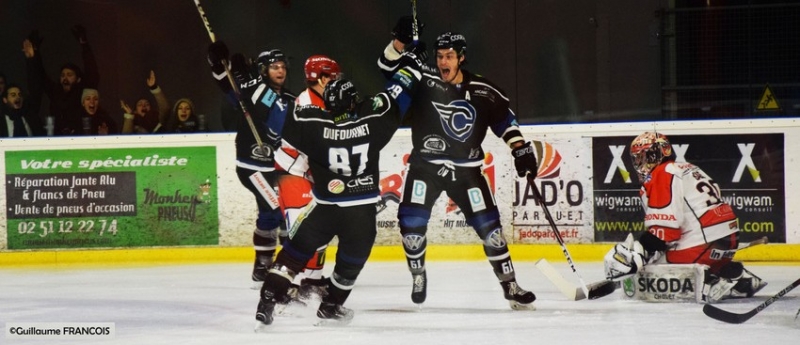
(450, 114)
(255, 164)
(343, 146)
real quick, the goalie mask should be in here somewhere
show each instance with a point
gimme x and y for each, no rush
(340, 96)
(648, 150)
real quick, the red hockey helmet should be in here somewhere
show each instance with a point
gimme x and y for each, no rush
(318, 66)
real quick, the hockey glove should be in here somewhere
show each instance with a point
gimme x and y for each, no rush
(624, 259)
(525, 160)
(217, 52)
(419, 50)
(240, 70)
(404, 32)
(80, 33)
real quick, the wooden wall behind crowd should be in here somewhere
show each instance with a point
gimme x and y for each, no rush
(558, 61)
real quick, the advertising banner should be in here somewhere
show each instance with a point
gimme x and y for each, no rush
(83, 198)
(565, 185)
(749, 169)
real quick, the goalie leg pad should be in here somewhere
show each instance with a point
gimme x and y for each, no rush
(733, 281)
(666, 283)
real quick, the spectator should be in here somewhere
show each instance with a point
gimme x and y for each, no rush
(20, 118)
(94, 119)
(65, 95)
(145, 118)
(182, 119)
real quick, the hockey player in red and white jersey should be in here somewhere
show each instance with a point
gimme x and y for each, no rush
(295, 187)
(687, 222)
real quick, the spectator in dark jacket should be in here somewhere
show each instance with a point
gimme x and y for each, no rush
(64, 95)
(19, 118)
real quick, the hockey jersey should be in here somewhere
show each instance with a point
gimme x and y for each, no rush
(449, 122)
(286, 156)
(343, 151)
(260, 101)
(683, 206)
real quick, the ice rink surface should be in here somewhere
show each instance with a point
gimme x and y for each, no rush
(213, 304)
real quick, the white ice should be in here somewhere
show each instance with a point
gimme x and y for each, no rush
(213, 304)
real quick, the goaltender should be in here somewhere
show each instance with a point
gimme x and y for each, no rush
(687, 222)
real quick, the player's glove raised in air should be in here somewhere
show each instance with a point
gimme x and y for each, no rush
(217, 57)
(404, 32)
(241, 72)
(525, 160)
(419, 50)
(625, 258)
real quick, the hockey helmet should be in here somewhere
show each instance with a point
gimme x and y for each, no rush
(340, 96)
(452, 40)
(318, 66)
(648, 150)
(269, 57)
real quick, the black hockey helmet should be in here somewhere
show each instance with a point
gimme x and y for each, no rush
(452, 40)
(269, 57)
(340, 96)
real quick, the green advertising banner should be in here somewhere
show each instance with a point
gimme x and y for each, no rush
(133, 197)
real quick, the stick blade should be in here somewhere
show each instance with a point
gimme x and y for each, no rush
(602, 289)
(725, 316)
(569, 290)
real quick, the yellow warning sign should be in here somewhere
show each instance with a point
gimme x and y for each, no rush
(768, 100)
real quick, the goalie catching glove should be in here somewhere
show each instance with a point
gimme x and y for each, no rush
(624, 259)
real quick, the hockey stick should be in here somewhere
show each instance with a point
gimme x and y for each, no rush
(603, 288)
(745, 245)
(729, 317)
(235, 87)
(570, 291)
(414, 27)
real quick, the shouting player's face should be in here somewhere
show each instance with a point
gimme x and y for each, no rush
(277, 73)
(448, 63)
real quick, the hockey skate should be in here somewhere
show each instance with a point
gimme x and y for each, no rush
(420, 289)
(313, 287)
(264, 313)
(284, 305)
(518, 298)
(331, 314)
(260, 268)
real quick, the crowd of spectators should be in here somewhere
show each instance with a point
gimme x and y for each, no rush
(74, 99)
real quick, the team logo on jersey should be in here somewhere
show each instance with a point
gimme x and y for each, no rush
(260, 153)
(336, 186)
(457, 118)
